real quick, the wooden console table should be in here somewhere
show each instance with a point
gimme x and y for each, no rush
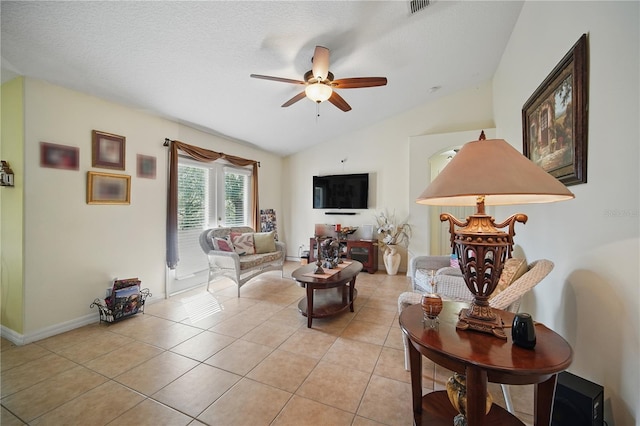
(482, 358)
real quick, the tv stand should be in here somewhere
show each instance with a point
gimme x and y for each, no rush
(365, 252)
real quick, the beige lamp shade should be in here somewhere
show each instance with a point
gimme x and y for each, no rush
(496, 170)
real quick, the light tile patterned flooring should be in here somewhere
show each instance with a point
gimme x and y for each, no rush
(215, 359)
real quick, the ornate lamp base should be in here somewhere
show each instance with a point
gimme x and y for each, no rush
(491, 323)
(482, 249)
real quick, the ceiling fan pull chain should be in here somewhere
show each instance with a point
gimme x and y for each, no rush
(317, 112)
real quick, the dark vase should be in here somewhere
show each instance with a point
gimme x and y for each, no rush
(523, 331)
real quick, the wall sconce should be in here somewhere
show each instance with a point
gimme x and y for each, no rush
(6, 174)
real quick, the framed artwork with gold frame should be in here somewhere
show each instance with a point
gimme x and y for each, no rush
(108, 188)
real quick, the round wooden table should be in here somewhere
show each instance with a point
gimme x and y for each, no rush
(338, 290)
(482, 358)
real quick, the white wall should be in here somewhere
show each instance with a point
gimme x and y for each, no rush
(592, 296)
(421, 150)
(383, 151)
(74, 250)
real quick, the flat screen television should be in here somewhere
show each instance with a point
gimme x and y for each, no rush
(350, 191)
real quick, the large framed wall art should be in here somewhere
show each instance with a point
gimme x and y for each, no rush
(555, 119)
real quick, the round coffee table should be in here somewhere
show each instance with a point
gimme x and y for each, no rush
(337, 290)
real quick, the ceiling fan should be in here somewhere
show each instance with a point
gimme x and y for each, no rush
(320, 84)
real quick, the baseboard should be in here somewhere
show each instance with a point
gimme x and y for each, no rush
(23, 339)
(12, 336)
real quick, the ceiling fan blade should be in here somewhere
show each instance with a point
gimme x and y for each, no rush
(320, 63)
(295, 99)
(359, 82)
(280, 79)
(339, 102)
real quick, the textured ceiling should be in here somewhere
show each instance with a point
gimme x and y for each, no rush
(190, 61)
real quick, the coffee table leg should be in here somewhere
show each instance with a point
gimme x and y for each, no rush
(352, 286)
(309, 305)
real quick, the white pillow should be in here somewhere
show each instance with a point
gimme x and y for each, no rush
(243, 243)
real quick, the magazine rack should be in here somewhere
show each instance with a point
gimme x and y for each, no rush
(126, 299)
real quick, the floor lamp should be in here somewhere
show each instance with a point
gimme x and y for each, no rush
(487, 172)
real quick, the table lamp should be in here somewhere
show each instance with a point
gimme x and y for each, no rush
(487, 172)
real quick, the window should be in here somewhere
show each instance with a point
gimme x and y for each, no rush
(236, 193)
(209, 195)
(192, 197)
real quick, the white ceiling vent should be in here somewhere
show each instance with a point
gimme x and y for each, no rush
(418, 5)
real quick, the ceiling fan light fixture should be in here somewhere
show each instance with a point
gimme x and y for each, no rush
(318, 92)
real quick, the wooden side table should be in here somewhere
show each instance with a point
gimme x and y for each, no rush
(482, 358)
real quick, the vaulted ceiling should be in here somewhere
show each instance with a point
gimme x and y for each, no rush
(191, 61)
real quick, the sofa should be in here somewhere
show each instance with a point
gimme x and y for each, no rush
(240, 253)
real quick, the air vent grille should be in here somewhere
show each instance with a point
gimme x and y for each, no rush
(418, 5)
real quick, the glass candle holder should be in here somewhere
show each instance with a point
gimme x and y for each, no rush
(431, 304)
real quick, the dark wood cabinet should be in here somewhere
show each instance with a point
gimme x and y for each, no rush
(364, 251)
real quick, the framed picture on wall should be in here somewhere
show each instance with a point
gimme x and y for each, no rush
(59, 156)
(108, 188)
(108, 150)
(554, 119)
(146, 166)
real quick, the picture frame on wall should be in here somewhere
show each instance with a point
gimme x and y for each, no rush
(146, 166)
(59, 156)
(108, 188)
(555, 119)
(108, 150)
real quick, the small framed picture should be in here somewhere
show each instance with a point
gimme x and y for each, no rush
(59, 156)
(108, 150)
(146, 166)
(108, 188)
